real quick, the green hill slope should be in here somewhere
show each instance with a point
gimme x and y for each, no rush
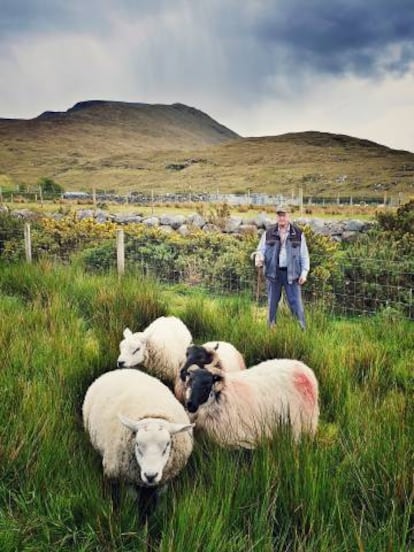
(131, 146)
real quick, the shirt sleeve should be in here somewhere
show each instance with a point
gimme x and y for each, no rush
(262, 245)
(304, 258)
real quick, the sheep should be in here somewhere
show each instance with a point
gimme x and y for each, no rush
(141, 431)
(160, 349)
(239, 409)
(228, 358)
(223, 354)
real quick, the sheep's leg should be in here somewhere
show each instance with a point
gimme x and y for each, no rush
(112, 488)
(147, 500)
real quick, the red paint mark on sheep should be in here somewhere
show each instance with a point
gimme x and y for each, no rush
(305, 387)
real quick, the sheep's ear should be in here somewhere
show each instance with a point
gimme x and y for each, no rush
(179, 428)
(127, 333)
(216, 347)
(189, 350)
(130, 424)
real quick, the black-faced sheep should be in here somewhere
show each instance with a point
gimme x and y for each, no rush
(220, 355)
(241, 408)
(160, 349)
(140, 429)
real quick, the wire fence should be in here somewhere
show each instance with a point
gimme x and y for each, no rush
(297, 197)
(358, 286)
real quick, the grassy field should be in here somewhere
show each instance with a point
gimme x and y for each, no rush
(351, 489)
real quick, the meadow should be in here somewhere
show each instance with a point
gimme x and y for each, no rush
(350, 489)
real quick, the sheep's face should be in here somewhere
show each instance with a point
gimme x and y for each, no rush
(202, 387)
(132, 349)
(152, 445)
(198, 355)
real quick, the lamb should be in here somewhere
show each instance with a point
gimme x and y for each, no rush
(240, 409)
(160, 349)
(141, 431)
(218, 354)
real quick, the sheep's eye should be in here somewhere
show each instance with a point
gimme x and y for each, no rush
(139, 450)
(136, 350)
(212, 394)
(167, 446)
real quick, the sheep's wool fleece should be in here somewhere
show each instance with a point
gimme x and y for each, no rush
(167, 339)
(131, 393)
(230, 358)
(253, 402)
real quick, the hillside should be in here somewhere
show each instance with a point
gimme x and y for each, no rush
(132, 146)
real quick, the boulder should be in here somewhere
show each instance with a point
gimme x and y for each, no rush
(151, 221)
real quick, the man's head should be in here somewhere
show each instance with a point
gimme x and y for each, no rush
(282, 212)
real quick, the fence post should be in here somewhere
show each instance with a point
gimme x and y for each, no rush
(301, 201)
(94, 196)
(27, 242)
(120, 252)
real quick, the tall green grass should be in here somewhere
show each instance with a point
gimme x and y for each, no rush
(349, 489)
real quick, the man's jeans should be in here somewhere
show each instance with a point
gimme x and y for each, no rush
(293, 296)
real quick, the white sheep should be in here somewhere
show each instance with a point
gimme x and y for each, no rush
(141, 431)
(213, 354)
(241, 408)
(160, 349)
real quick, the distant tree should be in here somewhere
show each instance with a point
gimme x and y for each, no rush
(49, 187)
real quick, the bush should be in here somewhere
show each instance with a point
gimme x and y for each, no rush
(11, 228)
(402, 221)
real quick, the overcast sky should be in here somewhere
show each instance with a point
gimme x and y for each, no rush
(260, 67)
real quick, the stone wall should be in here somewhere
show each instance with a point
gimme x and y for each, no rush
(338, 230)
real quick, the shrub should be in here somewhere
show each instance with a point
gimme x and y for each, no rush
(402, 221)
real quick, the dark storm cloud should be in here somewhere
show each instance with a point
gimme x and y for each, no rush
(341, 36)
(256, 38)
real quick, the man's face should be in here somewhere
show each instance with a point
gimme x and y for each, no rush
(282, 220)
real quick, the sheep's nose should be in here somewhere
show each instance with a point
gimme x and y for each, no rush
(150, 477)
(120, 363)
(191, 407)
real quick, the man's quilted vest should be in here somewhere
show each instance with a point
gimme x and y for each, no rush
(272, 250)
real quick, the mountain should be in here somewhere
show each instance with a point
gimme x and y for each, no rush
(134, 146)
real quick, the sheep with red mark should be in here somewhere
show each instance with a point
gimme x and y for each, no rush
(240, 409)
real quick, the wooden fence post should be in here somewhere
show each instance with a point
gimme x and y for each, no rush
(27, 242)
(120, 252)
(301, 201)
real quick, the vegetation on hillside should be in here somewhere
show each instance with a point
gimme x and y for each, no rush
(130, 147)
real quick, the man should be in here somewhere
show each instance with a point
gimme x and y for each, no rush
(284, 253)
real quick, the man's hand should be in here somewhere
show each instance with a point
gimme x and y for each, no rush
(302, 280)
(258, 260)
